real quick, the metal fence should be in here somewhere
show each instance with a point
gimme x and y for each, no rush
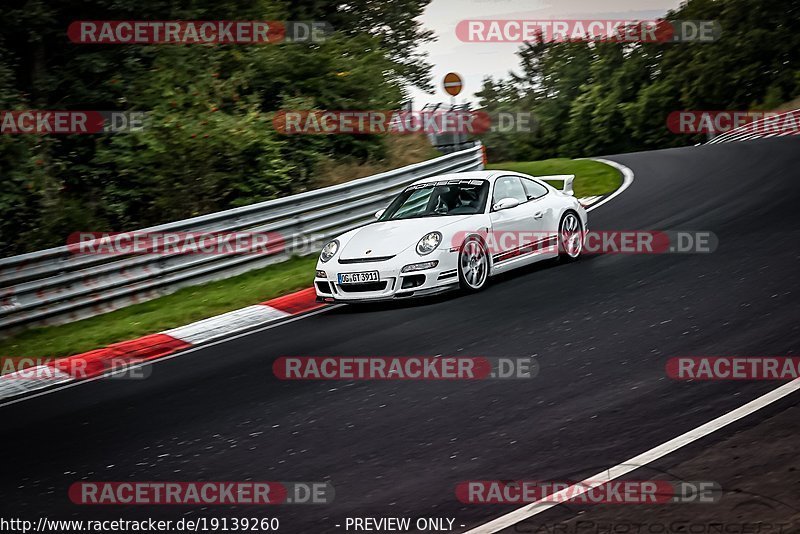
(56, 285)
(762, 128)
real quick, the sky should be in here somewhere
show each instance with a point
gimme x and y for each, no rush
(474, 61)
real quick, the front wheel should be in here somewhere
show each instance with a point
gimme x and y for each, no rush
(570, 237)
(473, 265)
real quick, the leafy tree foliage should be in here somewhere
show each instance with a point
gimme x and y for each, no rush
(602, 98)
(208, 142)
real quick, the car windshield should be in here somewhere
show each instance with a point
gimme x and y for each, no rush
(433, 199)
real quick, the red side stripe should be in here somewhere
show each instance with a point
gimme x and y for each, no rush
(97, 362)
(298, 302)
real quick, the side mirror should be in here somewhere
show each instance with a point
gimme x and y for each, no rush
(505, 203)
(379, 213)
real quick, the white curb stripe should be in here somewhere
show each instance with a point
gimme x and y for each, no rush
(31, 379)
(200, 333)
(222, 325)
(588, 201)
(236, 335)
(755, 130)
(232, 323)
(627, 180)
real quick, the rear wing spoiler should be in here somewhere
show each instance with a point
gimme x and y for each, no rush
(566, 178)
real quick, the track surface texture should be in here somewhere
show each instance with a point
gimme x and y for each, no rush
(602, 330)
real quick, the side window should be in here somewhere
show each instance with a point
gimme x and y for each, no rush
(533, 190)
(509, 187)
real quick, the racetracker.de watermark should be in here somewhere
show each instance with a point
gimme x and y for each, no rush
(588, 492)
(143, 32)
(22, 369)
(319, 122)
(404, 368)
(200, 493)
(721, 121)
(733, 368)
(596, 30)
(505, 244)
(175, 243)
(50, 122)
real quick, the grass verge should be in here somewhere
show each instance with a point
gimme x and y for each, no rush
(206, 300)
(180, 308)
(591, 177)
(199, 302)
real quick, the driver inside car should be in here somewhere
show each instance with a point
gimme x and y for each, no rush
(448, 200)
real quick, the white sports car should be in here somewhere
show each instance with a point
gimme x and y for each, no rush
(452, 231)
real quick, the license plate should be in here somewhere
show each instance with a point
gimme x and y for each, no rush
(359, 278)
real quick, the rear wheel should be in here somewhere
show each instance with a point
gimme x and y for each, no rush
(570, 237)
(473, 265)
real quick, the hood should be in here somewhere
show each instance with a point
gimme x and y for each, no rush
(390, 238)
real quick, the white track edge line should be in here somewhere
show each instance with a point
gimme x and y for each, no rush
(636, 462)
(242, 333)
(627, 176)
(627, 180)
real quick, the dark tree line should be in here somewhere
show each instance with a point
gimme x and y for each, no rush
(605, 98)
(209, 143)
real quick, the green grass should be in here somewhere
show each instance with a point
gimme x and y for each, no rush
(182, 307)
(202, 301)
(591, 177)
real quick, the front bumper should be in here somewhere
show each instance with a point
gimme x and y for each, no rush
(392, 284)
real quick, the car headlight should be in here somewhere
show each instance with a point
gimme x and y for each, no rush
(428, 243)
(329, 250)
(419, 266)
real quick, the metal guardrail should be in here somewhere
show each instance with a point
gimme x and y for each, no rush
(759, 129)
(447, 149)
(56, 285)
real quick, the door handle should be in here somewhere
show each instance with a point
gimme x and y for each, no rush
(538, 215)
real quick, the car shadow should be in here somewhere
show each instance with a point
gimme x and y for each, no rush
(539, 266)
(455, 294)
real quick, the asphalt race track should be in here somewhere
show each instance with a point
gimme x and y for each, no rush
(601, 329)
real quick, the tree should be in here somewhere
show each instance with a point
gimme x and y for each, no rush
(596, 98)
(209, 143)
